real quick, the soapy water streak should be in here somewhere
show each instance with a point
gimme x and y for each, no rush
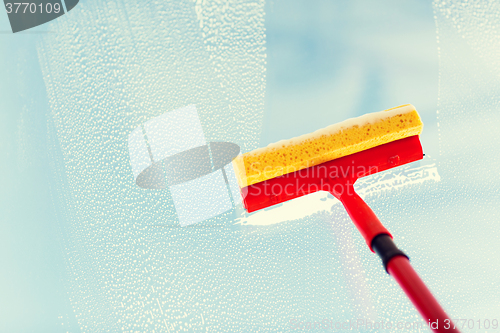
(322, 201)
(112, 67)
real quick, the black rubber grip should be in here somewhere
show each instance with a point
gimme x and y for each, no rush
(384, 246)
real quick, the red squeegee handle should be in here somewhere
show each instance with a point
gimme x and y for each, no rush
(421, 297)
(395, 261)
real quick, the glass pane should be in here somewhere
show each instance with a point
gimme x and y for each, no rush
(119, 206)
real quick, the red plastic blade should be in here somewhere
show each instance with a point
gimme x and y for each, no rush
(331, 176)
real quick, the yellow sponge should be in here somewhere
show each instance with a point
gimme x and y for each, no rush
(342, 139)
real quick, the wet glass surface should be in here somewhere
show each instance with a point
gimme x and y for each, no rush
(85, 249)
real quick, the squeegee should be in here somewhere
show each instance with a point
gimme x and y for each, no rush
(332, 159)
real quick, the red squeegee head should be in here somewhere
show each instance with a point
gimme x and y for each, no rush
(338, 177)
